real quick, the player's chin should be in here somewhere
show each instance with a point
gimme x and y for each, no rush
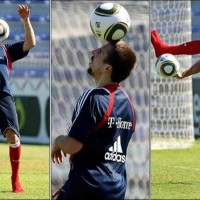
(89, 70)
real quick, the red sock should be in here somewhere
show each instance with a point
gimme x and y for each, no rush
(188, 48)
(15, 152)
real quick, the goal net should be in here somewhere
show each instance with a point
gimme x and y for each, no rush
(72, 40)
(171, 99)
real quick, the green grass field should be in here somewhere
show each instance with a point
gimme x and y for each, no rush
(175, 174)
(34, 172)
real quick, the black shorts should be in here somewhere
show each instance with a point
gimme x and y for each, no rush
(74, 188)
(8, 114)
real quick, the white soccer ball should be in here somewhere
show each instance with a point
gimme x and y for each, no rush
(4, 30)
(167, 65)
(109, 22)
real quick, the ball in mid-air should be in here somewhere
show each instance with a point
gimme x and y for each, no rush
(109, 22)
(4, 30)
(167, 65)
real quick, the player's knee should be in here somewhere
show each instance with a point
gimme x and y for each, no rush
(11, 136)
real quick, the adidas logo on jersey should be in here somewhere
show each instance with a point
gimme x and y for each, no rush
(115, 157)
(115, 152)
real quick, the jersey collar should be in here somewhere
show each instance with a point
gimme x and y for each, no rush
(112, 86)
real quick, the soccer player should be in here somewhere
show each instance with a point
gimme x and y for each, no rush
(188, 48)
(8, 116)
(102, 125)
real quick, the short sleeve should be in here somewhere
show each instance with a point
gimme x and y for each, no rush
(16, 51)
(82, 119)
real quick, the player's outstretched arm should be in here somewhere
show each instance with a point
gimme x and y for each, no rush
(194, 69)
(30, 41)
(65, 144)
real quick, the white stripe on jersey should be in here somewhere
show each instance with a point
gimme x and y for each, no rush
(84, 97)
(81, 102)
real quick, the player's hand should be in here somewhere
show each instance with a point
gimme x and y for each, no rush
(178, 75)
(56, 154)
(56, 192)
(23, 11)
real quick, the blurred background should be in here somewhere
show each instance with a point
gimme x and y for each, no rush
(30, 76)
(30, 82)
(195, 7)
(175, 104)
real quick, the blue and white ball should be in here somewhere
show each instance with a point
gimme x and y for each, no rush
(109, 22)
(167, 65)
(4, 30)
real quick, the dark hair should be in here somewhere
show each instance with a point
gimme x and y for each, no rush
(122, 59)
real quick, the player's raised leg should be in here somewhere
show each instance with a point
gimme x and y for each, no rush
(188, 48)
(14, 153)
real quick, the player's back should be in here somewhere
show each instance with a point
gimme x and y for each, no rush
(100, 165)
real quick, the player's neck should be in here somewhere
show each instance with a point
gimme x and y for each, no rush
(104, 82)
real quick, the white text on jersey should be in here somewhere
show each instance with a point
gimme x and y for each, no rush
(119, 123)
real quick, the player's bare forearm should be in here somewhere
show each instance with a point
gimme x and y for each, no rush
(65, 144)
(68, 144)
(30, 40)
(194, 69)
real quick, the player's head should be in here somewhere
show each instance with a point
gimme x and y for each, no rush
(122, 59)
(116, 60)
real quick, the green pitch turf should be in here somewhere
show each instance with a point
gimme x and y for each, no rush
(34, 172)
(175, 174)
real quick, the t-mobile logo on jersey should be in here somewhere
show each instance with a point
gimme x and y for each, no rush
(119, 123)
